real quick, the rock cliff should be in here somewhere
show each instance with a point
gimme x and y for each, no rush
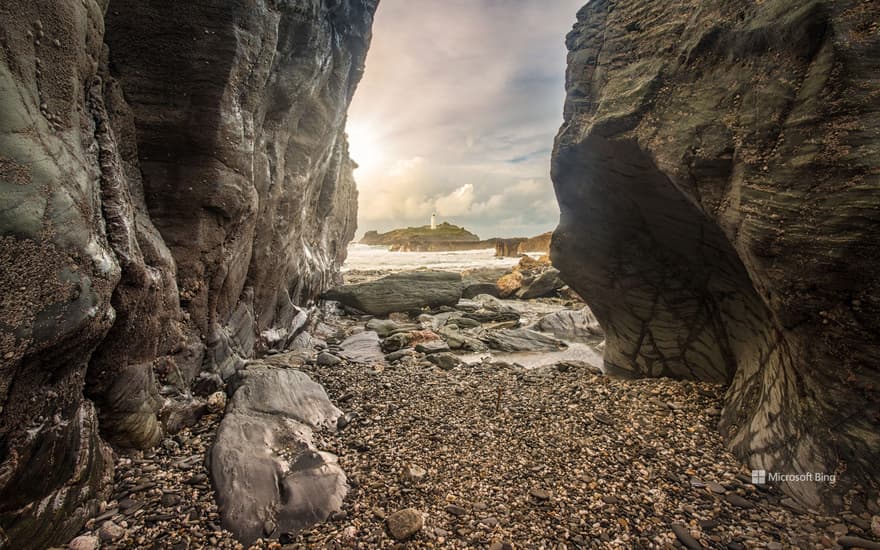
(174, 180)
(719, 186)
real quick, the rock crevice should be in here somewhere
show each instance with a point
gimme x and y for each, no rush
(174, 181)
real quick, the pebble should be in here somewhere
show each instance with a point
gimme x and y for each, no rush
(405, 523)
(83, 542)
(217, 402)
(415, 473)
(110, 532)
(540, 494)
(455, 510)
(684, 536)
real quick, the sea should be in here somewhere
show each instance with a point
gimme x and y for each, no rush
(362, 257)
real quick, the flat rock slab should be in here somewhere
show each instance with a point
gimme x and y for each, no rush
(522, 339)
(268, 475)
(362, 348)
(577, 325)
(411, 290)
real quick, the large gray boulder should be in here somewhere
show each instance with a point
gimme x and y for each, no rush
(268, 475)
(717, 177)
(411, 290)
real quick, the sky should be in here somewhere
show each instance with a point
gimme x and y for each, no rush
(456, 114)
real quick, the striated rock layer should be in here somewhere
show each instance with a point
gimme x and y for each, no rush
(719, 186)
(174, 178)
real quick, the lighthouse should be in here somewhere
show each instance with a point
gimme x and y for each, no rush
(433, 221)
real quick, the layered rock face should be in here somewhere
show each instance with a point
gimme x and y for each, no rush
(719, 186)
(174, 178)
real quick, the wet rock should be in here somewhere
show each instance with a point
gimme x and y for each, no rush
(264, 455)
(433, 346)
(404, 524)
(510, 340)
(546, 284)
(406, 291)
(578, 325)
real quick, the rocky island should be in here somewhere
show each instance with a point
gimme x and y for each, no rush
(448, 237)
(428, 238)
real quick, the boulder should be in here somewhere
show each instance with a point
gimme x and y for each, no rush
(510, 284)
(268, 476)
(545, 285)
(362, 348)
(521, 339)
(578, 325)
(412, 290)
(719, 205)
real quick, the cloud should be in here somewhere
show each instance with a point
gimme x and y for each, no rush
(457, 111)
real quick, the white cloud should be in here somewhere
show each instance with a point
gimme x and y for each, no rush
(457, 111)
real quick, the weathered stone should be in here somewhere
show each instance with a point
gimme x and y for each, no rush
(578, 325)
(406, 291)
(405, 523)
(521, 339)
(362, 348)
(445, 361)
(545, 285)
(716, 177)
(264, 465)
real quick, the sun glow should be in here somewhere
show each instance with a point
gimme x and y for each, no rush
(364, 147)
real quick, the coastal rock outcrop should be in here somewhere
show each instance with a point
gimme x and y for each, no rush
(400, 292)
(719, 191)
(162, 206)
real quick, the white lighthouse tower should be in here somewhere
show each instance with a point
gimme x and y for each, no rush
(433, 221)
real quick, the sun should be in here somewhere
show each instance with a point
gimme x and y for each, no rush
(364, 146)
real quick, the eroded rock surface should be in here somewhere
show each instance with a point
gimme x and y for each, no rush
(717, 176)
(269, 476)
(161, 207)
(400, 292)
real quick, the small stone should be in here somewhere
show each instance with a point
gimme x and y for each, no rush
(875, 526)
(405, 523)
(454, 510)
(684, 536)
(540, 494)
(610, 499)
(858, 542)
(83, 542)
(415, 473)
(328, 360)
(716, 488)
(110, 532)
(217, 402)
(739, 501)
(774, 546)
